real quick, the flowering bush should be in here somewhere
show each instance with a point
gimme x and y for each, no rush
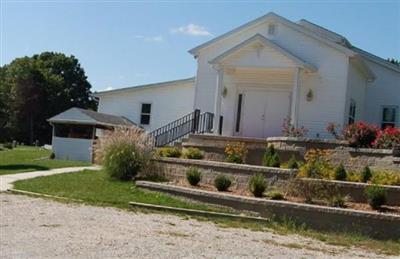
(332, 128)
(289, 130)
(387, 138)
(360, 134)
(317, 164)
(236, 153)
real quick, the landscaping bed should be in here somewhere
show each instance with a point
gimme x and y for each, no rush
(374, 224)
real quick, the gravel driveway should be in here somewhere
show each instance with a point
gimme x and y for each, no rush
(38, 228)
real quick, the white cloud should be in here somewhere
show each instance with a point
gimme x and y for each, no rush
(192, 29)
(109, 88)
(150, 39)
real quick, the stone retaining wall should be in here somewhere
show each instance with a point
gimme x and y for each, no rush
(352, 158)
(176, 168)
(373, 224)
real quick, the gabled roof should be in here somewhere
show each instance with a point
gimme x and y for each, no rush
(273, 16)
(87, 117)
(266, 42)
(138, 87)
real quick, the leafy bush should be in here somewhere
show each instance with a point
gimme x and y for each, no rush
(317, 164)
(236, 153)
(289, 130)
(124, 152)
(275, 195)
(52, 155)
(192, 153)
(222, 182)
(257, 185)
(271, 157)
(366, 174)
(360, 134)
(387, 138)
(385, 178)
(308, 190)
(169, 152)
(340, 173)
(292, 163)
(376, 196)
(193, 176)
(8, 145)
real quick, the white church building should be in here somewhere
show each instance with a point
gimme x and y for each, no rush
(254, 76)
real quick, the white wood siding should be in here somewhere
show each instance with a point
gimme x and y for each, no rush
(328, 83)
(357, 84)
(169, 103)
(385, 90)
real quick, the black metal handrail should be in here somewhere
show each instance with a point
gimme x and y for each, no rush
(194, 122)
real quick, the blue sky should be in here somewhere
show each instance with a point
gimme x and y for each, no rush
(123, 43)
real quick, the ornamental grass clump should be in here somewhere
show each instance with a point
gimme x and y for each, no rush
(275, 195)
(376, 196)
(292, 163)
(257, 185)
(124, 152)
(222, 182)
(236, 153)
(193, 176)
(271, 157)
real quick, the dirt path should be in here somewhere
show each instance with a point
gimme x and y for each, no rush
(38, 228)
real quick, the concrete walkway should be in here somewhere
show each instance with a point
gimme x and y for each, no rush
(7, 180)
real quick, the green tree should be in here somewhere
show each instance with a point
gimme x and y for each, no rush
(394, 61)
(36, 88)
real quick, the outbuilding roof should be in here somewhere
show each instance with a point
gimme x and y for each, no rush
(87, 117)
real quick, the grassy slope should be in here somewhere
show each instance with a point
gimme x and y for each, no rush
(95, 187)
(27, 159)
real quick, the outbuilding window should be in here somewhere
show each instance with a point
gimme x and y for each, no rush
(271, 29)
(145, 114)
(389, 116)
(352, 112)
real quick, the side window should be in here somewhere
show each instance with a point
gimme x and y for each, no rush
(271, 29)
(352, 112)
(389, 116)
(145, 114)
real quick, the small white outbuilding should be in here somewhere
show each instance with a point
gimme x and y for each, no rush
(75, 130)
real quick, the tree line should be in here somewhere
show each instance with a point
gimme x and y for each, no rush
(33, 89)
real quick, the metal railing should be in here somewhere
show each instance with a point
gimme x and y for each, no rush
(194, 122)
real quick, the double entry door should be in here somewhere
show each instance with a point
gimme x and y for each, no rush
(264, 113)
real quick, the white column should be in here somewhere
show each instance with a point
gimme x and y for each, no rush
(217, 103)
(294, 113)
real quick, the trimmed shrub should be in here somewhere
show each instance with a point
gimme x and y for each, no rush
(376, 196)
(193, 176)
(222, 182)
(275, 195)
(271, 157)
(124, 152)
(340, 173)
(192, 153)
(360, 134)
(236, 153)
(366, 174)
(52, 155)
(292, 163)
(169, 152)
(257, 185)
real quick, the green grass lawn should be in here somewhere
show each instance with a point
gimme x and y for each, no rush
(97, 188)
(27, 159)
